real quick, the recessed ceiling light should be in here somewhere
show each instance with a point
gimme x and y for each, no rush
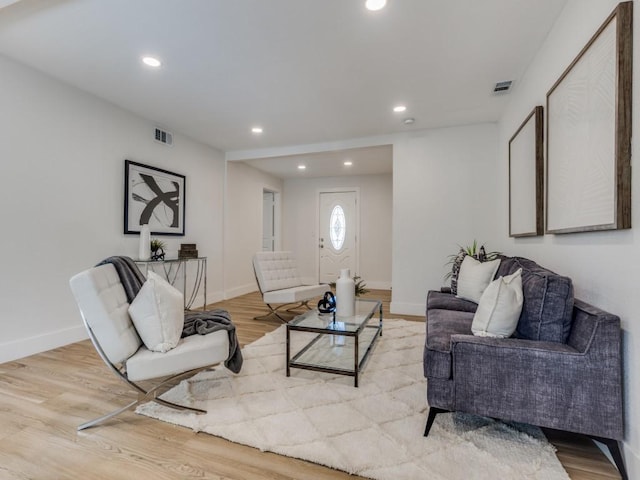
(256, 129)
(409, 121)
(399, 108)
(348, 163)
(302, 167)
(374, 5)
(151, 61)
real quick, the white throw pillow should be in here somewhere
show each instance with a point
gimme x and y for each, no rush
(157, 313)
(499, 308)
(474, 277)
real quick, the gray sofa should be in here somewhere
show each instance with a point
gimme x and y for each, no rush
(561, 369)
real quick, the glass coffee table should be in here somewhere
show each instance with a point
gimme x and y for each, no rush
(342, 344)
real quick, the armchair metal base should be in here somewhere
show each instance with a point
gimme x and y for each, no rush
(146, 396)
(276, 311)
(143, 395)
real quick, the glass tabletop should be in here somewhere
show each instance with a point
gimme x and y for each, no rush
(331, 323)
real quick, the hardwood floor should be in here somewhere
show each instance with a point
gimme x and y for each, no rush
(44, 397)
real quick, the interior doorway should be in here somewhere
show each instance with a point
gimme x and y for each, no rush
(270, 220)
(338, 233)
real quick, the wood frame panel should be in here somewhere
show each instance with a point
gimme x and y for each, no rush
(588, 170)
(525, 193)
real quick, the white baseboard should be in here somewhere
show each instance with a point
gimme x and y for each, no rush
(41, 343)
(241, 290)
(216, 296)
(212, 297)
(401, 308)
(378, 285)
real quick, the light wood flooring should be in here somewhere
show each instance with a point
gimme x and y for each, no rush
(44, 397)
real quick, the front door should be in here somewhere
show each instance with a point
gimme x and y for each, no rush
(338, 236)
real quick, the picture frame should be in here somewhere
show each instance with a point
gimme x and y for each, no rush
(526, 177)
(154, 196)
(588, 164)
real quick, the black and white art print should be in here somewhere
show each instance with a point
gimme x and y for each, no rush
(155, 197)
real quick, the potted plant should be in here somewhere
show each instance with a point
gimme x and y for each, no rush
(474, 250)
(157, 249)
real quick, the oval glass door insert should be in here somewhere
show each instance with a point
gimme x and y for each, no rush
(337, 227)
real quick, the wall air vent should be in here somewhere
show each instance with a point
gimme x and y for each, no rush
(503, 87)
(164, 137)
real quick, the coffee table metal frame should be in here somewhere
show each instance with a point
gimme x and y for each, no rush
(358, 324)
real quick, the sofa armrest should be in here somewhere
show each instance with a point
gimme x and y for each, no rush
(542, 383)
(514, 346)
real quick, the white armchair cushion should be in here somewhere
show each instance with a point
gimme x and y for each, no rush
(104, 306)
(276, 271)
(192, 352)
(295, 294)
(158, 313)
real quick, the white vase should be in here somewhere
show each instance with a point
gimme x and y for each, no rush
(345, 294)
(144, 249)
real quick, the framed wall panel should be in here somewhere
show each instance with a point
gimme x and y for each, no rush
(588, 137)
(526, 164)
(155, 197)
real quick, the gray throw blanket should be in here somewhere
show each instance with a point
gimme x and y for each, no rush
(130, 275)
(199, 323)
(212, 321)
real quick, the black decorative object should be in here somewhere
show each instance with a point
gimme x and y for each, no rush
(327, 304)
(158, 254)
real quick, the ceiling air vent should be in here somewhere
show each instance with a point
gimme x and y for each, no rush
(164, 137)
(503, 87)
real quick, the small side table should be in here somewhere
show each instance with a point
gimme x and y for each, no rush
(171, 269)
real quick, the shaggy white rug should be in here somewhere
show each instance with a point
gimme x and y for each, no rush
(375, 430)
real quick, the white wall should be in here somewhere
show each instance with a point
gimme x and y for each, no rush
(61, 203)
(300, 224)
(604, 266)
(243, 224)
(444, 195)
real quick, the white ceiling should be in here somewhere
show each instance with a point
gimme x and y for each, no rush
(307, 71)
(365, 161)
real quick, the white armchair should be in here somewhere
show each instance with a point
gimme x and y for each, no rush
(104, 308)
(279, 283)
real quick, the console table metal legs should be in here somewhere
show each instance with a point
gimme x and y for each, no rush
(172, 268)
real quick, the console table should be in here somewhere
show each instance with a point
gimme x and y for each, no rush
(171, 270)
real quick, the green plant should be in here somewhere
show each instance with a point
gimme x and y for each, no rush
(474, 250)
(157, 244)
(359, 285)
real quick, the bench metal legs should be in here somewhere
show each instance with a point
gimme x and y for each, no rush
(275, 311)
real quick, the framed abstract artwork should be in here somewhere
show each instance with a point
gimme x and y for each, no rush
(155, 197)
(588, 170)
(526, 164)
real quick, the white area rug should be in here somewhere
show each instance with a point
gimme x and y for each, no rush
(375, 430)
